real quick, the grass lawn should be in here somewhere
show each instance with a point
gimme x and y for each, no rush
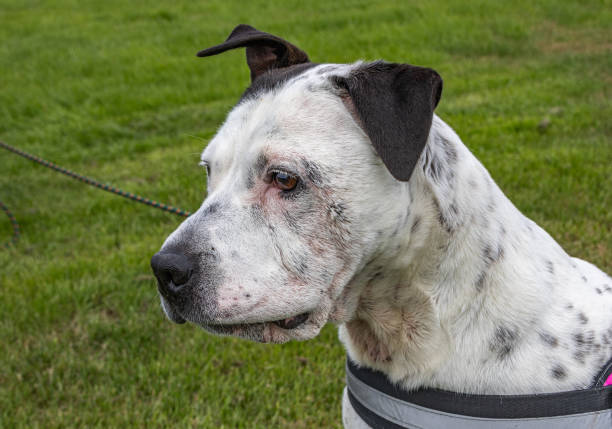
(113, 90)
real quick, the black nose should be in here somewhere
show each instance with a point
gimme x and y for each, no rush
(172, 271)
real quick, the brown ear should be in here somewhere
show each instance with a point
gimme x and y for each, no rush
(394, 104)
(263, 51)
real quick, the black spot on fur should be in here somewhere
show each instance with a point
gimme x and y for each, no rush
(550, 267)
(488, 254)
(559, 372)
(454, 209)
(480, 282)
(584, 279)
(438, 164)
(585, 344)
(583, 319)
(450, 178)
(491, 256)
(503, 341)
(415, 224)
(435, 168)
(260, 164)
(599, 291)
(608, 288)
(313, 173)
(449, 151)
(569, 307)
(579, 339)
(549, 339)
(291, 221)
(336, 212)
(250, 180)
(444, 222)
(211, 209)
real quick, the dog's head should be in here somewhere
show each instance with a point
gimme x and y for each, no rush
(302, 182)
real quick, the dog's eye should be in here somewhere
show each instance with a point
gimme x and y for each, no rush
(284, 181)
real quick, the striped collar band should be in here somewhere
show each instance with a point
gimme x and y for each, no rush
(383, 404)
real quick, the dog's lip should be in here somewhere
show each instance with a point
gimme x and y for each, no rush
(292, 322)
(287, 323)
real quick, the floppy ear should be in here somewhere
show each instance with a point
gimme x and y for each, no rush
(394, 105)
(263, 51)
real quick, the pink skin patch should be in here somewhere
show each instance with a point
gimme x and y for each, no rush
(608, 381)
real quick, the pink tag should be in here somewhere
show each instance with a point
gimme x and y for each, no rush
(608, 381)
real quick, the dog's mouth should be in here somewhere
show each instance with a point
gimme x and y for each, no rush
(292, 322)
(289, 323)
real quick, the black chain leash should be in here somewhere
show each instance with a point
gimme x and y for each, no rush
(83, 179)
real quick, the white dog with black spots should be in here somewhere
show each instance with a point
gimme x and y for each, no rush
(335, 194)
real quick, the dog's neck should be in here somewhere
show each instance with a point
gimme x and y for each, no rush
(444, 292)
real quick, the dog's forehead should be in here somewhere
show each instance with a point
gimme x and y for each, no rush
(279, 114)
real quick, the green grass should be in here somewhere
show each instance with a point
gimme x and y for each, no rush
(113, 90)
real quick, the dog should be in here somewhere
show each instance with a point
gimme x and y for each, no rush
(336, 194)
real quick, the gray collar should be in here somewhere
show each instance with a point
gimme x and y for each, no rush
(383, 404)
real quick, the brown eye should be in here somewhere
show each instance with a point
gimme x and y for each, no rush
(284, 181)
